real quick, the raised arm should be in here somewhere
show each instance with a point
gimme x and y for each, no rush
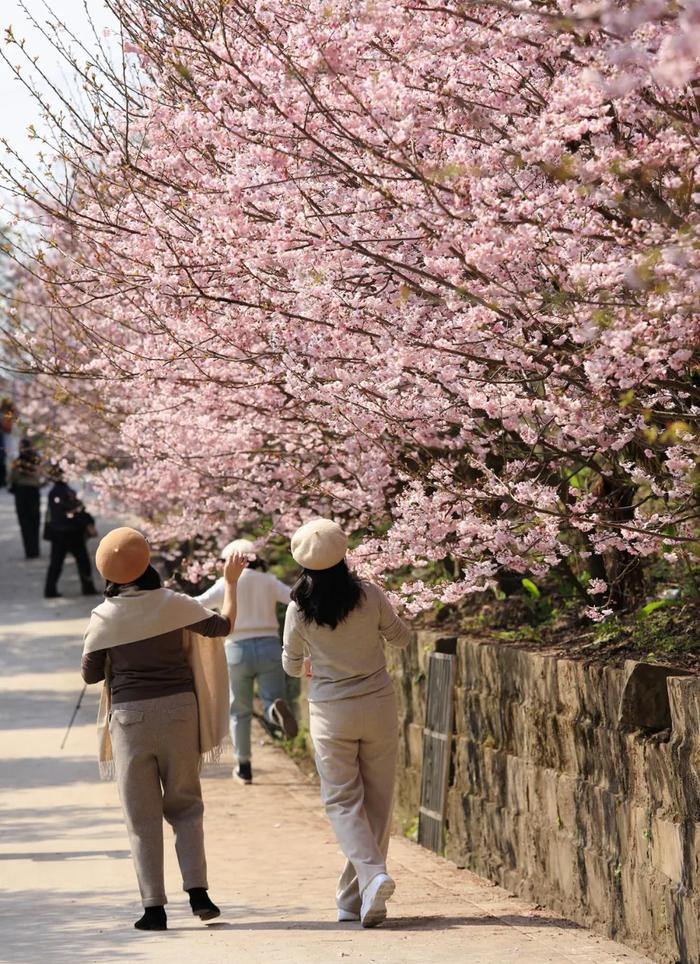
(234, 566)
(393, 629)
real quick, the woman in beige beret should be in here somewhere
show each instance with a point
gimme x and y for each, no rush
(341, 621)
(164, 708)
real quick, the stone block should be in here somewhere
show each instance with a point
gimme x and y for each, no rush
(636, 900)
(667, 849)
(414, 739)
(638, 851)
(567, 793)
(644, 702)
(517, 780)
(599, 892)
(562, 867)
(493, 775)
(681, 935)
(408, 793)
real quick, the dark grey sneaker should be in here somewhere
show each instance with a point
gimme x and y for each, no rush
(244, 773)
(282, 716)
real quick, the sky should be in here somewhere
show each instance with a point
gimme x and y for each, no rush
(17, 108)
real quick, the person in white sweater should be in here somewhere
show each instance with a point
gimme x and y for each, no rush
(253, 653)
(341, 622)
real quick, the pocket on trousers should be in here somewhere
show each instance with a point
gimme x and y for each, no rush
(126, 717)
(234, 655)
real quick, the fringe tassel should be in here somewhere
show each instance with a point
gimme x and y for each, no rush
(214, 755)
(107, 770)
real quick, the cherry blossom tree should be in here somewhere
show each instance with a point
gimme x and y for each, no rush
(430, 268)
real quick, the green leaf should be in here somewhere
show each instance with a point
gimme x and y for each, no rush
(652, 606)
(531, 589)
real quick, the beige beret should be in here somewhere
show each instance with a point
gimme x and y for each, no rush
(319, 544)
(243, 546)
(123, 555)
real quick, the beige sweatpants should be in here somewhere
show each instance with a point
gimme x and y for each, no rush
(156, 754)
(356, 745)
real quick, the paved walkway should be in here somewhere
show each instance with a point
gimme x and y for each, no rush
(67, 888)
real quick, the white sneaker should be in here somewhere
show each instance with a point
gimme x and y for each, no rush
(345, 915)
(374, 898)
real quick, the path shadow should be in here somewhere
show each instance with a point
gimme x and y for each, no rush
(440, 922)
(58, 652)
(43, 709)
(423, 923)
(47, 772)
(29, 825)
(42, 856)
(69, 928)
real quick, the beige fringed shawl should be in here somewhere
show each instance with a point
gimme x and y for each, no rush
(139, 614)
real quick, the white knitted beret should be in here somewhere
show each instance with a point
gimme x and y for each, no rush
(319, 544)
(244, 546)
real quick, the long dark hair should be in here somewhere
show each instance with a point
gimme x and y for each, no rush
(327, 596)
(147, 580)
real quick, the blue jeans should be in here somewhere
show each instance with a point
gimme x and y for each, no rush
(249, 659)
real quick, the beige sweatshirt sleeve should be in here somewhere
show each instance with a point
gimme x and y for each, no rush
(393, 629)
(293, 643)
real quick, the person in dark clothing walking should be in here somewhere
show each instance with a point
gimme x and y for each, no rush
(25, 483)
(66, 528)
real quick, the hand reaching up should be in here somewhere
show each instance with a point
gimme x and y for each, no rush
(234, 566)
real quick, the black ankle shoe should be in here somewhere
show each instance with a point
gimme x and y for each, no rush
(202, 905)
(244, 773)
(153, 919)
(283, 718)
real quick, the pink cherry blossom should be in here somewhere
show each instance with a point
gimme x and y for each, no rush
(429, 270)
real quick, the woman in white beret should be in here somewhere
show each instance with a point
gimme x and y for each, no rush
(341, 621)
(162, 711)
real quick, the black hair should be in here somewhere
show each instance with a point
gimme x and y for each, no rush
(149, 579)
(257, 563)
(327, 596)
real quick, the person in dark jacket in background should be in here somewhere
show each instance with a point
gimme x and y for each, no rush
(25, 483)
(66, 529)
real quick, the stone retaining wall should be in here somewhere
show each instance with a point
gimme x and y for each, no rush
(557, 793)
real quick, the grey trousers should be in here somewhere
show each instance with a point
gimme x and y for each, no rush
(356, 746)
(156, 753)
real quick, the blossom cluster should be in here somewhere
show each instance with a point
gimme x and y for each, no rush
(429, 269)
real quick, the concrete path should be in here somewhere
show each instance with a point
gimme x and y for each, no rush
(67, 887)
